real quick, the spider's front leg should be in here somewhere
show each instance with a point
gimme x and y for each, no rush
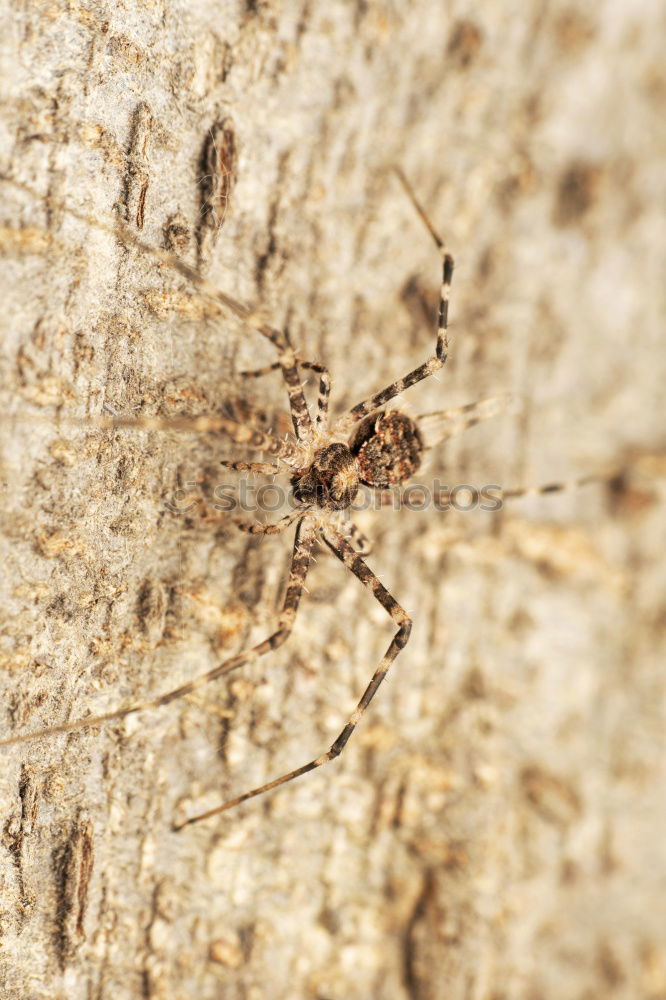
(276, 528)
(360, 542)
(354, 562)
(287, 363)
(362, 409)
(314, 366)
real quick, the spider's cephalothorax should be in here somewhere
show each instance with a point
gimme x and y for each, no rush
(388, 447)
(331, 481)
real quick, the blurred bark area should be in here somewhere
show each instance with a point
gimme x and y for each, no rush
(495, 829)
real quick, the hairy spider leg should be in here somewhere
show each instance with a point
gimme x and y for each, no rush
(360, 542)
(355, 563)
(276, 528)
(324, 384)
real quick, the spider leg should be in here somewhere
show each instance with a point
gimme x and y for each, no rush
(324, 384)
(353, 561)
(446, 424)
(300, 562)
(347, 421)
(322, 396)
(561, 487)
(267, 369)
(300, 414)
(443, 499)
(256, 528)
(361, 543)
(260, 372)
(243, 434)
(263, 468)
(442, 347)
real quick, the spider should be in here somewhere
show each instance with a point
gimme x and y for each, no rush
(368, 446)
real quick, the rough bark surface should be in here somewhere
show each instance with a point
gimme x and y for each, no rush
(496, 827)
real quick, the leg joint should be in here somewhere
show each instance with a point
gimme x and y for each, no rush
(403, 634)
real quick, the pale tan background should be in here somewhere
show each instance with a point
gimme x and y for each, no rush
(495, 830)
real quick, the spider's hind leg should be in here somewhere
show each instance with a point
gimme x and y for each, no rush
(444, 499)
(560, 487)
(445, 424)
(353, 561)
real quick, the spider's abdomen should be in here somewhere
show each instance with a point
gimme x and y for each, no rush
(332, 480)
(388, 447)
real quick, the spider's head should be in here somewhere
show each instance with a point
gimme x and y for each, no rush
(331, 481)
(388, 447)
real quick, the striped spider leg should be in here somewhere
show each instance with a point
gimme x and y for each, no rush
(347, 422)
(324, 385)
(357, 565)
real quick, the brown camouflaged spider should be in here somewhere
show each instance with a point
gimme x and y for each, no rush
(368, 445)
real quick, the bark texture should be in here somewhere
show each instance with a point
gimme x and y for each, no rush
(496, 827)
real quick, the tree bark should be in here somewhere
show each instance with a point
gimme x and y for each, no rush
(495, 827)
